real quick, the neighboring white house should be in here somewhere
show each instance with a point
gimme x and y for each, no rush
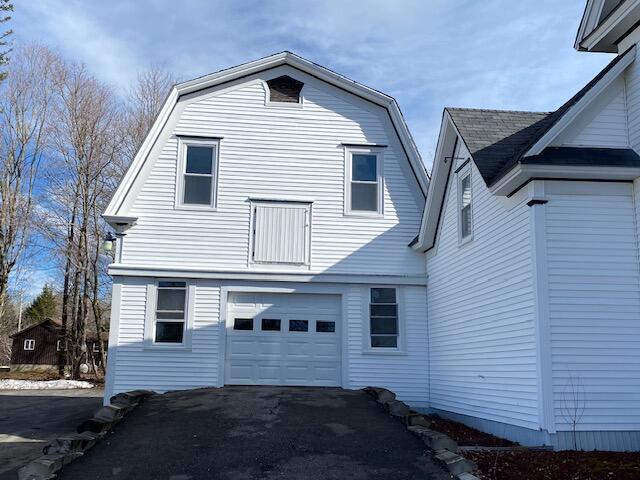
(531, 239)
(267, 236)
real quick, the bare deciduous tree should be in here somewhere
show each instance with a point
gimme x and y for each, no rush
(142, 106)
(25, 101)
(85, 150)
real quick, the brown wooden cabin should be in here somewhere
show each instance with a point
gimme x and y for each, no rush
(36, 348)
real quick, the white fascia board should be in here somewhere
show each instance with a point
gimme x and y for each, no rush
(437, 187)
(283, 58)
(590, 15)
(575, 110)
(612, 28)
(521, 174)
(119, 269)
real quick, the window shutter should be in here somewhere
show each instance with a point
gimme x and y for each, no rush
(281, 233)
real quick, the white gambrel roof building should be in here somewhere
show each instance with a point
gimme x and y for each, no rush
(277, 227)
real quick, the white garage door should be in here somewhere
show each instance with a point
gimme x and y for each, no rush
(283, 339)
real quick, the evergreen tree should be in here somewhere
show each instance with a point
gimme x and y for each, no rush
(43, 306)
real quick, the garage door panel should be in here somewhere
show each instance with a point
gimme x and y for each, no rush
(290, 356)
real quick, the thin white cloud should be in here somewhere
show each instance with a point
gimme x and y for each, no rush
(492, 54)
(69, 27)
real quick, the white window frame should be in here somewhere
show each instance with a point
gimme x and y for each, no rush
(150, 314)
(183, 144)
(400, 349)
(29, 344)
(96, 349)
(58, 345)
(308, 204)
(349, 152)
(461, 175)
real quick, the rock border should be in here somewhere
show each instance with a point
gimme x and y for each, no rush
(445, 449)
(66, 448)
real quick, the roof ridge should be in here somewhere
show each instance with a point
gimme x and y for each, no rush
(497, 110)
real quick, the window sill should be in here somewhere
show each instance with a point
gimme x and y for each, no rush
(466, 241)
(167, 346)
(384, 351)
(196, 208)
(293, 105)
(372, 215)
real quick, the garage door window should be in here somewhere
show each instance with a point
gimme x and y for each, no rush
(383, 318)
(170, 312)
(298, 325)
(325, 327)
(243, 324)
(270, 325)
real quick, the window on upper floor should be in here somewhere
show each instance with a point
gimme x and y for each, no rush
(364, 190)
(465, 204)
(198, 173)
(281, 233)
(29, 344)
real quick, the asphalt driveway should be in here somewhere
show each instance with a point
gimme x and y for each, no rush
(246, 433)
(30, 419)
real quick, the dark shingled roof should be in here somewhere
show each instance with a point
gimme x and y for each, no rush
(498, 139)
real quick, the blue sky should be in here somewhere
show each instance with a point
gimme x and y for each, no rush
(427, 54)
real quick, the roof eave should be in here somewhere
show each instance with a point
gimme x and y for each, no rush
(521, 174)
(611, 30)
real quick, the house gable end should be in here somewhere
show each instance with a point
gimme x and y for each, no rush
(121, 201)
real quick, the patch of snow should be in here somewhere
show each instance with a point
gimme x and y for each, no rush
(43, 385)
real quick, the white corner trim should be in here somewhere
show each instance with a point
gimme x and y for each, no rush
(112, 348)
(542, 327)
(575, 110)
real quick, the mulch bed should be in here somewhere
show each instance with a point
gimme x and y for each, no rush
(547, 465)
(467, 436)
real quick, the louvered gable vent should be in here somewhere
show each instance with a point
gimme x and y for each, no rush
(284, 89)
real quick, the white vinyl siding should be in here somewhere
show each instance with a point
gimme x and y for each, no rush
(281, 233)
(162, 369)
(404, 373)
(602, 124)
(481, 312)
(299, 155)
(594, 303)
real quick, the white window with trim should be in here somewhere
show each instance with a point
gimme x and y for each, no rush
(281, 233)
(465, 205)
(170, 316)
(384, 325)
(29, 344)
(364, 186)
(198, 172)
